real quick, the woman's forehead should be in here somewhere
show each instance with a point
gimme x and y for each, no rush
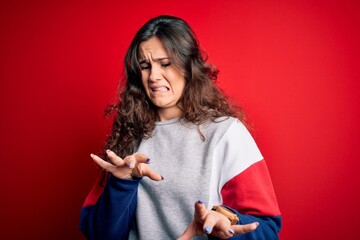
(152, 48)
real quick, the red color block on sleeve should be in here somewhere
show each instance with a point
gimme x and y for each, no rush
(95, 193)
(251, 192)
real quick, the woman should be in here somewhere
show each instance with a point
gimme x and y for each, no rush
(170, 111)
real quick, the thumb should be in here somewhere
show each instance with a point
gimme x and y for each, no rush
(189, 232)
(142, 170)
(151, 174)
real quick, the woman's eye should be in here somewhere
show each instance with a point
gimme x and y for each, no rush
(144, 67)
(165, 64)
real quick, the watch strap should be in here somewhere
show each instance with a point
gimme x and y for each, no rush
(227, 213)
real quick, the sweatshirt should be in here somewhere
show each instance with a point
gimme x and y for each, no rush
(223, 167)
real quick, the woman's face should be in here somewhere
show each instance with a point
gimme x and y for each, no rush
(163, 82)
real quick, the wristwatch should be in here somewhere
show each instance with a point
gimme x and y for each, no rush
(227, 213)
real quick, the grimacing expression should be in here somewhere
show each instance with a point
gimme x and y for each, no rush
(163, 82)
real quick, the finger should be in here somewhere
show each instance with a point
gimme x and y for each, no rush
(141, 158)
(222, 226)
(103, 164)
(209, 223)
(115, 159)
(200, 211)
(241, 229)
(130, 161)
(145, 171)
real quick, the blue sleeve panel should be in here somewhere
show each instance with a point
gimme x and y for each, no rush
(268, 228)
(112, 215)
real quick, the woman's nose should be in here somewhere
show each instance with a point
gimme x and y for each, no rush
(155, 74)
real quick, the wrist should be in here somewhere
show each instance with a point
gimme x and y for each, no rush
(228, 213)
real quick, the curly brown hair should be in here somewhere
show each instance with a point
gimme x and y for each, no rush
(135, 115)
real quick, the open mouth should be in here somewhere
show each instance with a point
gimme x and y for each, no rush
(160, 89)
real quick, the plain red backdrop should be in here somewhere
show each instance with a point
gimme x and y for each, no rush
(292, 65)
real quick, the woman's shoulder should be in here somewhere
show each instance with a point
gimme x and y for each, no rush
(226, 121)
(219, 125)
(229, 125)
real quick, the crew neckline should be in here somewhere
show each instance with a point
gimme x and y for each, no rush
(167, 122)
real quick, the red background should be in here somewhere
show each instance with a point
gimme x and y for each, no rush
(292, 65)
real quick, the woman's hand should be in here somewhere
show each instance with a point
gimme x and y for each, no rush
(134, 165)
(214, 223)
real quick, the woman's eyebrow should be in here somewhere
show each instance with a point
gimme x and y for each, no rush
(159, 59)
(155, 60)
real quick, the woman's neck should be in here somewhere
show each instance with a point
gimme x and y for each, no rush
(165, 114)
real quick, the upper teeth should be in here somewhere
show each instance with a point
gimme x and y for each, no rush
(161, 89)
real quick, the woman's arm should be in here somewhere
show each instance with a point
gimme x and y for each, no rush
(251, 196)
(267, 230)
(240, 181)
(111, 215)
(108, 211)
